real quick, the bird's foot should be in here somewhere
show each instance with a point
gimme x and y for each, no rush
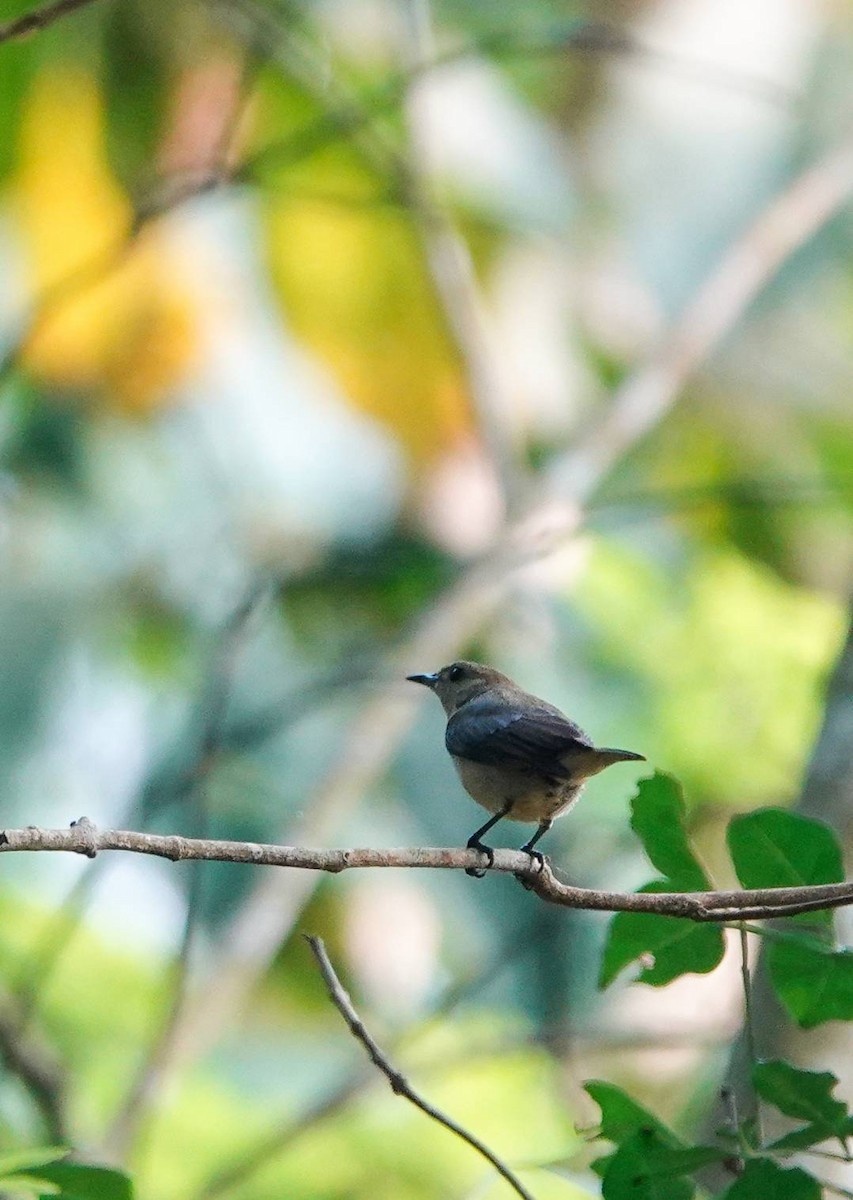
(537, 857)
(479, 872)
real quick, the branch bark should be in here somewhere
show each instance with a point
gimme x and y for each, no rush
(84, 838)
(400, 1086)
(34, 22)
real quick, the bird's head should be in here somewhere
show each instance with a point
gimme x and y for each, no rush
(460, 682)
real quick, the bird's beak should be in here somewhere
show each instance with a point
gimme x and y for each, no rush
(427, 680)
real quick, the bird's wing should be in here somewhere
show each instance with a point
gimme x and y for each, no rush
(504, 735)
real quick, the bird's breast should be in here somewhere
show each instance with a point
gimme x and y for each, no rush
(533, 797)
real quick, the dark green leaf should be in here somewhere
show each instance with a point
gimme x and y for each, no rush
(803, 1094)
(814, 985)
(75, 1181)
(764, 1179)
(139, 46)
(646, 1167)
(775, 848)
(677, 946)
(811, 1135)
(657, 817)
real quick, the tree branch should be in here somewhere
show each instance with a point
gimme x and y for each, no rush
(400, 1086)
(33, 22)
(84, 838)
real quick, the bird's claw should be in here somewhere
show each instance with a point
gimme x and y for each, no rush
(479, 872)
(536, 856)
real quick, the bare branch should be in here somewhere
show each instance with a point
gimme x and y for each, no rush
(33, 22)
(760, 903)
(400, 1086)
(236, 1171)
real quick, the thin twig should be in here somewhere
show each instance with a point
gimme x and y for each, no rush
(243, 1166)
(575, 36)
(749, 1024)
(33, 22)
(755, 904)
(400, 1086)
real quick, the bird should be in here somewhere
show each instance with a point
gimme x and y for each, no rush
(516, 755)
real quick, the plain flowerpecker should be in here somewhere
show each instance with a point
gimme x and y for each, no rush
(516, 755)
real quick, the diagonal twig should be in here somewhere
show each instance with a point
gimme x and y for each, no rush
(400, 1086)
(243, 1166)
(41, 18)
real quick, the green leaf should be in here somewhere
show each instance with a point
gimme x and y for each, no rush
(810, 1135)
(136, 81)
(621, 1116)
(676, 946)
(657, 817)
(71, 1181)
(764, 1179)
(814, 985)
(646, 1167)
(775, 848)
(803, 1094)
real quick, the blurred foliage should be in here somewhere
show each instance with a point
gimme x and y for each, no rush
(229, 369)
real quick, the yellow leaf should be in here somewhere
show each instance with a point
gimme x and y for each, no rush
(109, 313)
(353, 285)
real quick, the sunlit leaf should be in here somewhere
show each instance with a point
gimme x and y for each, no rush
(120, 319)
(657, 817)
(775, 848)
(667, 947)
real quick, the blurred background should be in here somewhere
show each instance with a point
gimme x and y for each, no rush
(340, 340)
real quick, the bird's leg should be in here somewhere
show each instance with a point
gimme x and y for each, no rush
(536, 855)
(474, 842)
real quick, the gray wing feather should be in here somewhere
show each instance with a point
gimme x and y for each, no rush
(529, 739)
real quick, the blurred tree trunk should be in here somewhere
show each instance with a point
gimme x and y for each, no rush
(827, 795)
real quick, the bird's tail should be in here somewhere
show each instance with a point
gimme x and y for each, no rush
(604, 756)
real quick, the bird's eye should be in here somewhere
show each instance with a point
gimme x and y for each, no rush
(456, 672)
